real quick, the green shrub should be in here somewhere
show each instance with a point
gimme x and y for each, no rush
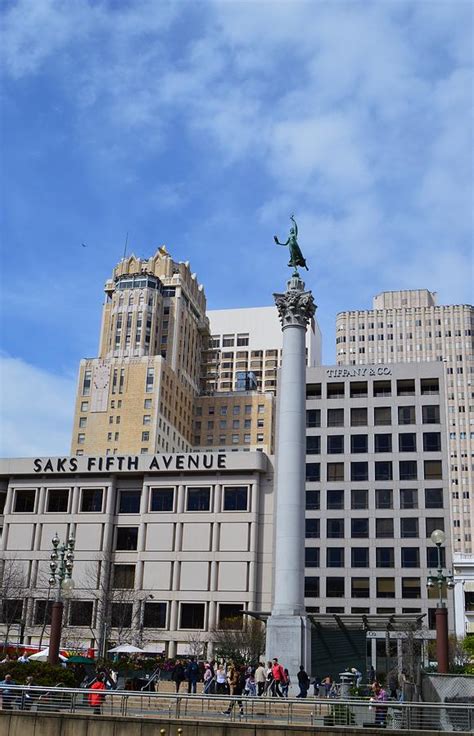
(43, 673)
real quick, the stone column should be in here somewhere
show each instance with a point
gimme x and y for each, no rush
(288, 631)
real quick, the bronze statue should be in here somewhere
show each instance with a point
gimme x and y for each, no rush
(296, 256)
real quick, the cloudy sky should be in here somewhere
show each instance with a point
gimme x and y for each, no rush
(203, 125)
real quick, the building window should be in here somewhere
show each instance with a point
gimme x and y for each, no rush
(236, 498)
(383, 470)
(382, 416)
(124, 576)
(198, 499)
(312, 500)
(311, 556)
(147, 419)
(313, 472)
(312, 528)
(383, 498)
(360, 587)
(154, 615)
(410, 557)
(407, 442)
(384, 557)
(433, 470)
(86, 384)
(359, 557)
(80, 613)
(432, 562)
(82, 422)
(311, 587)
(335, 417)
(359, 471)
(408, 470)
(150, 379)
(432, 441)
(313, 391)
(430, 414)
(406, 415)
(162, 499)
(335, 587)
(58, 500)
(335, 557)
(409, 528)
(147, 404)
(359, 528)
(434, 498)
(313, 445)
(359, 499)
(359, 443)
(313, 417)
(382, 389)
(91, 500)
(129, 502)
(383, 443)
(432, 524)
(408, 498)
(335, 528)
(192, 616)
(25, 501)
(411, 588)
(358, 417)
(43, 612)
(385, 588)
(384, 528)
(335, 390)
(84, 406)
(429, 387)
(121, 615)
(406, 387)
(145, 436)
(335, 444)
(358, 389)
(127, 538)
(335, 472)
(335, 499)
(81, 438)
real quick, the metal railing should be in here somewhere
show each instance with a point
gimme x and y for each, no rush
(311, 711)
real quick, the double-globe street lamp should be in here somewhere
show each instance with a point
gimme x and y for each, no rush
(440, 578)
(62, 562)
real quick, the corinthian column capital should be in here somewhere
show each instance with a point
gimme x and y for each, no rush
(296, 306)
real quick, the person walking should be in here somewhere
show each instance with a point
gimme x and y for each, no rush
(285, 686)
(237, 686)
(380, 696)
(268, 678)
(326, 683)
(97, 697)
(177, 674)
(192, 675)
(221, 680)
(278, 675)
(260, 678)
(207, 678)
(303, 682)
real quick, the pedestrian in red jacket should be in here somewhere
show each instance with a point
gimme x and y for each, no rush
(97, 697)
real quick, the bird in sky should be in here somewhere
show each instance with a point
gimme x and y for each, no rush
(84, 245)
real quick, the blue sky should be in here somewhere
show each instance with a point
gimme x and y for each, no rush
(203, 125)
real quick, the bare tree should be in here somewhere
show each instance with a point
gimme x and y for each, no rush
(13, 591)
(241, 640)
(196, 644)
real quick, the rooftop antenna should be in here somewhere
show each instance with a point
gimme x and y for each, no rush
(125, 246)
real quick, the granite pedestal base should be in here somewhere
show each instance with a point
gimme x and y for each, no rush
(289, 639)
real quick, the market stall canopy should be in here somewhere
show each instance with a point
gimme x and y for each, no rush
(43, 656)
(126, 649)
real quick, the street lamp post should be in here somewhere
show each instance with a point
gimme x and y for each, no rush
(62, 562)
(438, 538)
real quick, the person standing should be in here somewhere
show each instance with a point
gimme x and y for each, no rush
(285, 685)
(207, 678)
(380, 696)
(177, 674)
(221, 680)
(97, 696)
(303, 682)
(192, 675)
(260, 678)
(268, 677)
(7, 692)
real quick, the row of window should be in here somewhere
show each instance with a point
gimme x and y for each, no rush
(360, 389)
(407, 528)
(384, 557)
(359, 443)
(335, 587)
(235, 498)
(224, 409)
(379, 471)
(383, 498)
(382, 416)
(153, 615)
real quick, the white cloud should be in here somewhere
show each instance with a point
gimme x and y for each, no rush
(37, 410)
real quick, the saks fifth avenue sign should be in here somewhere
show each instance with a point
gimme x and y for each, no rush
(377, 370)
(142, 463)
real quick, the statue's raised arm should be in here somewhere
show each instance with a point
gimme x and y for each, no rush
(296, 256)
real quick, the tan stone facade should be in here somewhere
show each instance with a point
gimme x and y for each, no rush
(409, 326)
(237, 420)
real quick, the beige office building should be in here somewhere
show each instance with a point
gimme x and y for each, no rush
(410, 326)
(144, 392)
